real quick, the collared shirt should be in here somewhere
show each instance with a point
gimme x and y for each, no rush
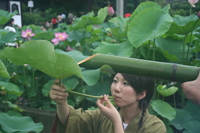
(92, 121)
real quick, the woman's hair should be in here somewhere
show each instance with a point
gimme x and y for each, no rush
(141, 84)
(9, 23)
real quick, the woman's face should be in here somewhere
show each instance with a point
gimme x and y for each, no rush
(124, 92)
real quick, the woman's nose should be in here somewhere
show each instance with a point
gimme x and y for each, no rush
(118, 87)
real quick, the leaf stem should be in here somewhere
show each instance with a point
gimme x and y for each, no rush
(86, 95)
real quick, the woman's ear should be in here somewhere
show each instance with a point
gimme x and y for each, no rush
(141, 95)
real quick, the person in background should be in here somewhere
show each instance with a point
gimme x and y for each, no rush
(191, 90)
(127, 15)
(54, 22)
(132, 96)
(9, 26)
(60, 19)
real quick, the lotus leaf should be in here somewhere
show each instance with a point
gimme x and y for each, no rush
(41, 55)
(139, 31)
(164, 91)
(25, 124)
(164, 109)
(3, 70)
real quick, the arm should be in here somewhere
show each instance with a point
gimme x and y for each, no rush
(111, 112)
(191, 90)
(58, 94)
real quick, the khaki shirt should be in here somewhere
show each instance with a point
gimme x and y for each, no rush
(92, 121)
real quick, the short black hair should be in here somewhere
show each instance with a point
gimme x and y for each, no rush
(9, 23)
(140, 84)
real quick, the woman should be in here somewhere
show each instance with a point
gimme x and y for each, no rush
(132, 96)
(9, 26)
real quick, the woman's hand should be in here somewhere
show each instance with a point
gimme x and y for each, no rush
(191, 90)
(108, 109)
(57, 93)
(111, 112)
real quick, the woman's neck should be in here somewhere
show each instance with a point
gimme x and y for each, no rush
(129, 113)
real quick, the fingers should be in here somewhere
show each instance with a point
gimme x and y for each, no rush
(57, 92)
(100, 102)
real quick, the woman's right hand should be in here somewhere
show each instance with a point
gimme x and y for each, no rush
(57, 93)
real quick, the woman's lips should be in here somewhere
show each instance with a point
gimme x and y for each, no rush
(116, 98)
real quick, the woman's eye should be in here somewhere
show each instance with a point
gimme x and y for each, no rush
(114, 81)
(126, 83)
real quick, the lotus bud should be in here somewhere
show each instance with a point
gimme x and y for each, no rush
(110, 10)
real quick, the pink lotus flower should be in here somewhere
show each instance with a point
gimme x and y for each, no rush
(59, 37)
(27, 34)
(192, 2)
(111, 11)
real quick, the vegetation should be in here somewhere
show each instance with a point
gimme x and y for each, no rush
(151, 33)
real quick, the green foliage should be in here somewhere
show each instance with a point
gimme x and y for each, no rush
(3, 70)
(164, 109)
(52, 61)
(33, 18)
(164, 91)
(151, 33)
(23, 124)
(5, 16)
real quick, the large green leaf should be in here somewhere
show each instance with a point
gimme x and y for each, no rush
(90, 76)
(7, 36)
(193, 109)
(5, 16)
(46, 35)
(120, 49)
(41, 55)
(147, 25)
(76, 35)
(11, 88)
(76, 55)
(184, 120)
(25, 124)
(171, 48)
(164, 109)
(184, 25)
(143, 6)
(3, 70)
(140, 7)
(89, 19)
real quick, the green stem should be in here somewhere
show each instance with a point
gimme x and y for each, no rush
(191, 37)
(189, 44)
(148, 55)
(154, 50)
(86, 95)
(174, 101)
(184, 43)
(33, 79)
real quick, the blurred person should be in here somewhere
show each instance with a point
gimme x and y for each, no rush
(9, 26)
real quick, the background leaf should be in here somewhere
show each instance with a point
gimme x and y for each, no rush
(3, 70)
(23, 124)
(164, 109)
(120, 49)
(140, 31)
